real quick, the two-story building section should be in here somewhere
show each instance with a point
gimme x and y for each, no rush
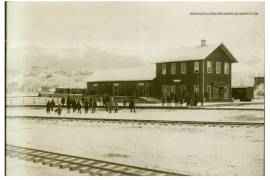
(203, 69)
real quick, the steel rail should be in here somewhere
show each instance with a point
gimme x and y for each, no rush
(138, 121)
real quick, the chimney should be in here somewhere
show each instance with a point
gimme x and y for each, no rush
(203, 42)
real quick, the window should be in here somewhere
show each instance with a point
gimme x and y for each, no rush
(209, 66)
(208, 93)
(196, 89)
(173, 68)
(218, 67)
(183, 68)
(226, 68)
(163, 68)
(196, 67)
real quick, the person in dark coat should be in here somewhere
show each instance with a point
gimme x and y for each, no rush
(176, 100)
(104, 100)
(195, 99)
(115, 105)
(48, 107)
(94, 106)
(125, 101)
(85, 107)
(181, 99)
(68, 104)
(163, 101)
(168, 99)
(74, 104)
(52, 104)
(187, 99)
(63, 101)
(79, 106)
(110, 104)
(132, 105)
(59, 109)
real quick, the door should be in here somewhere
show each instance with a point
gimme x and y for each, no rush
(183, 91)
(146, 88)
(116, 90)
(140, 89)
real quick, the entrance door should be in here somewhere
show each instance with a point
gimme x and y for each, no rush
(183, 91)
(140, 89)
(221, 92)
(146, 88)
(116, 89)
(167, 91)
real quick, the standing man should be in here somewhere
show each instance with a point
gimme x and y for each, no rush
(94, 106)
(59, 110)
(115, 105)
(48, 107)
(132, 105)
(63, 101)
(52, 105)
(79, 106)
(85, 107)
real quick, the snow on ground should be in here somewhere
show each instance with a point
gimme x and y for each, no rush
(188, 149)
(152, 114)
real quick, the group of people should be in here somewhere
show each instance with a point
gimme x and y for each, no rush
(190, 100)
(109, 103)
(51, 105)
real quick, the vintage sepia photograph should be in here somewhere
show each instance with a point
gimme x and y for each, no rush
(125, 88)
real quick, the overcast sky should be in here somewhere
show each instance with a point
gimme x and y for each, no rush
(96, 34)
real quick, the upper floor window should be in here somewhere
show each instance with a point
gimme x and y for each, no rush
(163, 68)
(183, 68)
(196, 66)
(173, 68)
(209, 66)
(226, 68)
(218, 67)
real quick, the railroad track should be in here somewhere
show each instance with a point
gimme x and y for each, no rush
(139, 121)
(83, 165)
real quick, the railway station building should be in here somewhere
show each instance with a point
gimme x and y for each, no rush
(204, 69)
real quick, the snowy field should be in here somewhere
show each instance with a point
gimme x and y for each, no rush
(187, 149)
(153, 114)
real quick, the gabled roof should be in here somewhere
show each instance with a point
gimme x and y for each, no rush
(194, 53)
(124, 74)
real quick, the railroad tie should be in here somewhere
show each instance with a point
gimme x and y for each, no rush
(84, 170)
(21, 156)
(46, 161)
(94, 172)
(29, 158)
(74, 167)
(104, 173)
(37, 159)
(54, 163)
(64, 165)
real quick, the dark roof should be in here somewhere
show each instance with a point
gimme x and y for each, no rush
(194, 53)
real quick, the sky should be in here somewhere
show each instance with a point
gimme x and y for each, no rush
(96, 35)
